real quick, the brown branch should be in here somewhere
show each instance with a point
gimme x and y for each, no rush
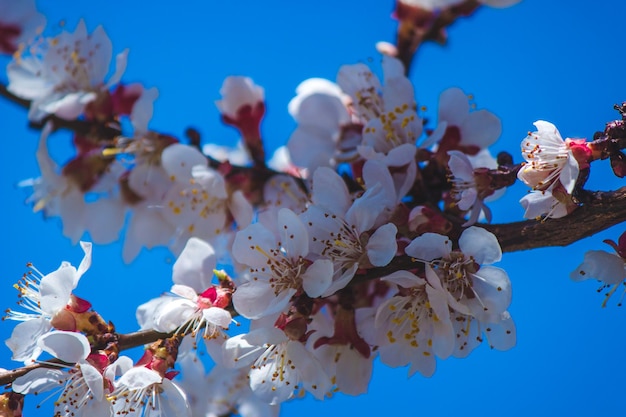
(10, 376)
(603, 210)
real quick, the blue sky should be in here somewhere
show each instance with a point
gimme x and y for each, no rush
(537, 60)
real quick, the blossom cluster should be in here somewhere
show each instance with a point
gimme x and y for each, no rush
(371, 246)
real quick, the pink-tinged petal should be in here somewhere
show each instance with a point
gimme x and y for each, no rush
(179, 159)
(194, 266)
(604, 266)
(250, 243)
(217, 316)
(330, 191)
(404, 279)
(317, 278)
(481, 244)
(453, 107)
(429, 246)
(39, 380)
(382, 245)
(69, 347)
(139, 378)
(293, 234)
(23, 340)
(482, 128)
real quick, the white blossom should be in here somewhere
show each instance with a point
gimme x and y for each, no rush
(61, 75)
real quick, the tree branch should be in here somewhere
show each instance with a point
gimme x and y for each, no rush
(603, 210)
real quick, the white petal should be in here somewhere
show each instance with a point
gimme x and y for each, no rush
(318, 277)
(502, 335)
(493, 287)
(569, 174)
(121, 60)
(94, 380)
(382, 245)
(481, 244)
(174, 401)
(86, 262)
(194, 266)
(241, 209)
(69, 347)
(173, 314)
(443, 332)
(217, 316)
(251, 243)
(309, 369)
(404, 279)
(604, 266)
(460, 166)
(243, 349)
(330, 191)
(23, 340)
(254, 301)
(179, 159)
(453, 107)
(343, 280)
(482, 128)
(139, 378)
(429, 246)
(56, 288)
(39, 380)
(293, 234)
